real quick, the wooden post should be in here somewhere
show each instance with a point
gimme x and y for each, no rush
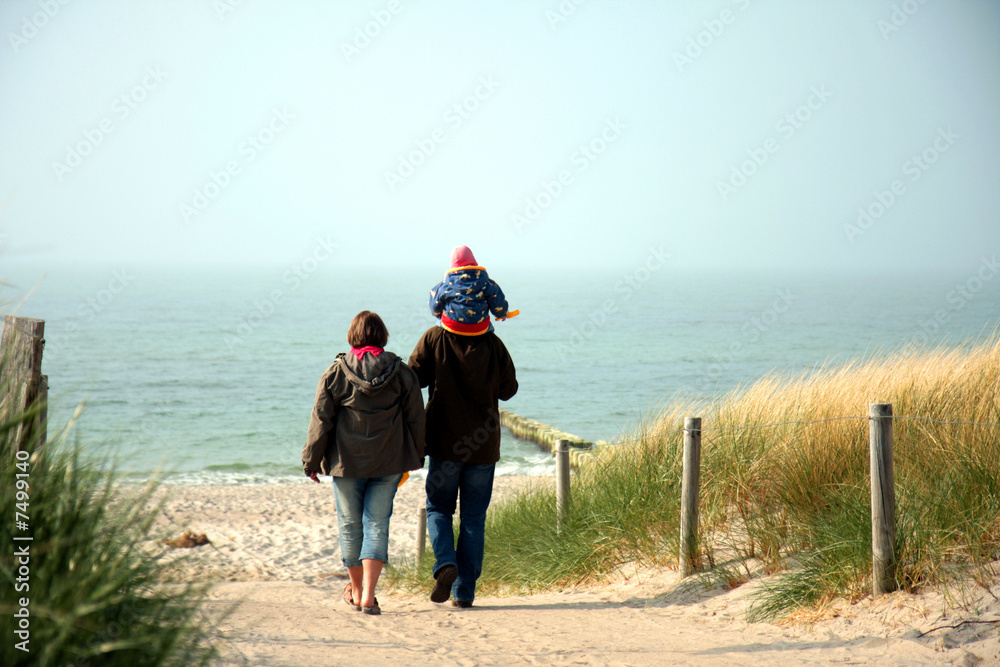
(21, 378)
(688, 559)
(883, 499)
(421, 533)
(562, 483)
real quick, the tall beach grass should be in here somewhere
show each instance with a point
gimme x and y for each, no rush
(791, 500)
(93, 596)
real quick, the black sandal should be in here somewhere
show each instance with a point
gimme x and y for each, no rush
(349, 598)
(374, 610)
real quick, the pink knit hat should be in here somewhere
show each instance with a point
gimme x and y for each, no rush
(462, 256)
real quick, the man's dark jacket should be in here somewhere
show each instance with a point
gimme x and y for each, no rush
(466, 375)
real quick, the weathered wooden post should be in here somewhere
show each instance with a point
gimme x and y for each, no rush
(421, 533)
(562, 484)
(22, 380)
(688, 558)
(883, 499)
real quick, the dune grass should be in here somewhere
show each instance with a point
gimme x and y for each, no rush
(94, 597)
(791, 499)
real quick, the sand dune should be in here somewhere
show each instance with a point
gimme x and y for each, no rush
(274, 550)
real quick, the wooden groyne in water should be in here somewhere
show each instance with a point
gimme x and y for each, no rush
(545, 436)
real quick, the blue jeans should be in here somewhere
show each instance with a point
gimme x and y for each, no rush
(446, 482)
(364, 506)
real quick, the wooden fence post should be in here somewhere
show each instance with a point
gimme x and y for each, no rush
(883, 499)
(688, 559)
(22, 381)
(562, 484)
(421, 533)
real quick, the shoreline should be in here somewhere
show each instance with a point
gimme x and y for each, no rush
(543, 467)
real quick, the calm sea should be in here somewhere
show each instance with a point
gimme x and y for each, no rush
(209, 375)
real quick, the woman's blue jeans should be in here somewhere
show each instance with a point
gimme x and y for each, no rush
(364, 506)
(447, 482)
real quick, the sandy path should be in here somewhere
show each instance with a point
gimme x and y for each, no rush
(285, 623)
(276, 546)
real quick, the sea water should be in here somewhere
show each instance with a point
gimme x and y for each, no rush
(209, 375)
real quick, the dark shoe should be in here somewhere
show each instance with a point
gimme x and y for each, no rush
(374, 610)
(442, 586)
(464, 604)
(349, 598)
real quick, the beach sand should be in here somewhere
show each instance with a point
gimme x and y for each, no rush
(274, 551)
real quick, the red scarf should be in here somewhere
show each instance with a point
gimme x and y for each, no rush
(360, 351)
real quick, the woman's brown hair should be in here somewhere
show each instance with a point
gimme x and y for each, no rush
(367, 328)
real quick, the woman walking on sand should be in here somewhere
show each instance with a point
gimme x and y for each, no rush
(366, 430)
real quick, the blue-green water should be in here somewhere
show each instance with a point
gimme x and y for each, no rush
(211, 374)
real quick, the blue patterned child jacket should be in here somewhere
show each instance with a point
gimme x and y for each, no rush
(465, 299)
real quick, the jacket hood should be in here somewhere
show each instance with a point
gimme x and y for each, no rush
(370, 374)
(462, 256)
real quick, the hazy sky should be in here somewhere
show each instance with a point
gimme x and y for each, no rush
(733, 133)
